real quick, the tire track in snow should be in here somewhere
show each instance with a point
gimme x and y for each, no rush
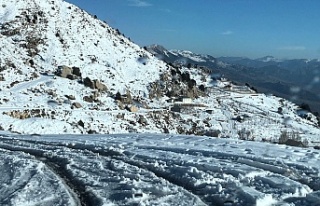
(127, 160)
(286, 169)
(292, 174)
(267, 176)
(198, 192)
(76, 188)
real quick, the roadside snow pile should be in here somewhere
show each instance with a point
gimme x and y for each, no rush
(155, 170)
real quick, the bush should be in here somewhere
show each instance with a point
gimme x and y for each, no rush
(245, 134)
(213, 133)
(292, 139)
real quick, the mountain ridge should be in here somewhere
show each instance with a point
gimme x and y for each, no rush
(294, 79)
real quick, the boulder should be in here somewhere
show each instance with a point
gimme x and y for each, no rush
(94, 84)
(64, 71)
(88, 83)
(81, 123)
(68, 72)
(142, 120)
(100, 86)
(70, 97)
(76, 105)
(88, 99)
(76, 71)
(71, 77)
(133, 108)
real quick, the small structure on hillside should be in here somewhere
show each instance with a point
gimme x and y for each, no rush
(183, 103)
(184, 99)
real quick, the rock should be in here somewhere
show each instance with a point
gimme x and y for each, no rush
(88, 83)
(76, 105)
(120, 105)
(132, 108)
(68, 72)
(71, 77)
(92, 132)
(70, 97)
(18, 114)
(64, 71)
(295, 143)
(100, 86)
(81, 123)
(76, 71)
(94, 84)
(34, 75)
(51, 92)
(88, 99)
(142, 120)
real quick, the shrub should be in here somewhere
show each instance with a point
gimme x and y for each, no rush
(213, 133)
(245, 134)
(292, 139)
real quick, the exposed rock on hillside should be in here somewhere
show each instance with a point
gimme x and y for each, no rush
(94, 84)
(68, 72)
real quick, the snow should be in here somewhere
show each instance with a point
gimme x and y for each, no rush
(149, 169)
(51, 165)
(102, 53)
(188, 54)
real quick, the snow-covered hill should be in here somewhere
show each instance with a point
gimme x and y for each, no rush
(64, 71)
(155, 170)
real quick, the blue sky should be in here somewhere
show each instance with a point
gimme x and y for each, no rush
(250, 28)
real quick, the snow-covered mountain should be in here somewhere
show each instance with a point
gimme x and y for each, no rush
(64, 71)
(295, 79)
(181, 57)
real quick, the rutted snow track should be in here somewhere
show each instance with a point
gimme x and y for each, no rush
(155, 170)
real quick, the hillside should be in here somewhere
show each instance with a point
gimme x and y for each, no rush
(296, 80)
(63, 71)
(299, 77)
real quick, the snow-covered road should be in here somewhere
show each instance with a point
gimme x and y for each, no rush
(155, 170)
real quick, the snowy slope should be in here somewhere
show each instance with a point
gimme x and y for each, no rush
(155, 170)
(39, 37)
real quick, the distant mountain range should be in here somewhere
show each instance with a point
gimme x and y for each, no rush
(297, 79)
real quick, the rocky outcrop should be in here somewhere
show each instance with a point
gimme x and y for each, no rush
(132, 108)
(25, 114)
(70, 97)
(94, 84)
(76, 105)
(71, 73)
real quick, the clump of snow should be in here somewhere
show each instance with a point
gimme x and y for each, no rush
(267, 200)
